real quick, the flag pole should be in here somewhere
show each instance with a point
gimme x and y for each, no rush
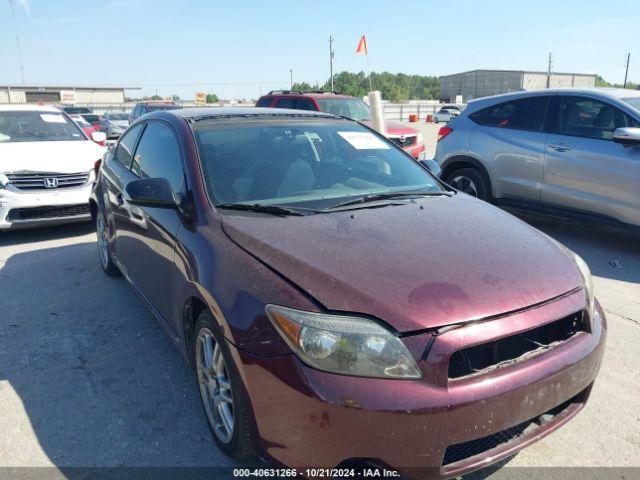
(366, 56)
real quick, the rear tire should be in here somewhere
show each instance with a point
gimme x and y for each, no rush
(470, 181)
(104, 252)
(224, 399)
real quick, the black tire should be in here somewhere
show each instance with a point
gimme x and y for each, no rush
(469, 180)
(241, 445)
(104, 252)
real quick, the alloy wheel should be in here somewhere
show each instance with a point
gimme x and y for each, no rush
(464, 184)
(103, 246)
(215, 386)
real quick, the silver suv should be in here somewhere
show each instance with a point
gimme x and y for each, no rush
(573, 151)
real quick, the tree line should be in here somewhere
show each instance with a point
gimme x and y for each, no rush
(395, 87)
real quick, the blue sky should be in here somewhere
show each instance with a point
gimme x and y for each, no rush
(240, 48)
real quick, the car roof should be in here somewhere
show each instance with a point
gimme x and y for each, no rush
(602, 92)
(28, 108)
(242, 112)
(291, 93)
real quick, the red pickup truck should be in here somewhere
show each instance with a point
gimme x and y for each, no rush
(409, 139)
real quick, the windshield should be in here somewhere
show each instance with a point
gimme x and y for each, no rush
(37, 126)
(309, 164)
(348, 107)
(633, 101)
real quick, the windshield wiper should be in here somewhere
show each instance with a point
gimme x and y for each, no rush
(373, 197)
(260, 208)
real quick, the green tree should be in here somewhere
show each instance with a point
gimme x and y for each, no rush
(212, 98)
(156, 97)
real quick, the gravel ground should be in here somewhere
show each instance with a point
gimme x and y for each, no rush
(87, 377)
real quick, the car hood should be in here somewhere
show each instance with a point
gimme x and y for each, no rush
(453, 260)
(395, 128)
(53, 157)
(120, 123)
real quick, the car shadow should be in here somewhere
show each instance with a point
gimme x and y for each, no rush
(610, 252)
(88, 379)
(33, 235)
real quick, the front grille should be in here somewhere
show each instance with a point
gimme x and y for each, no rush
(405, 141)
(462, 451)
(40, 213)
(36, 181)
(491, 355)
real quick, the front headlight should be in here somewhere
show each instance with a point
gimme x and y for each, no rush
(583, 268)
(3, 180)
(419, 138)
(344, 344)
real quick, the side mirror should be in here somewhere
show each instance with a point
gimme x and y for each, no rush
(98, 137)
(150, 192)
(627, 136)
(432, 166)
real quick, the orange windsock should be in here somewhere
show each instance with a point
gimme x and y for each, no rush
(362, 45)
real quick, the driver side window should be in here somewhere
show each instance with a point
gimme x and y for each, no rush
(158, 156)
(590, 118)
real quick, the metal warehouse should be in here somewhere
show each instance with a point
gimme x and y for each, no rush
(482, 83)
(62, 94)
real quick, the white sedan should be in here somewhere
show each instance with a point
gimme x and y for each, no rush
(446, 115)
(47, 167)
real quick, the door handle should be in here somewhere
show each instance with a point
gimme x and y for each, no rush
(560, 147)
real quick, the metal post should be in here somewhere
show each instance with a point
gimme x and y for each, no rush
(549, 71)
(291, 79)
(626, 72)
(331, 55)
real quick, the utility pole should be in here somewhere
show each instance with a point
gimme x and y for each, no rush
(626, 71)
(549, 70)
(13, 16)
(291, 79)
(332, 55)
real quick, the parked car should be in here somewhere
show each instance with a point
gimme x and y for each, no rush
(93, 119)
(573, 151)
(46, 167)
(319, 282)
(143, 108)
(409, 139)
(446, 115)
(85, 127)
(76, 110)
(114, 123)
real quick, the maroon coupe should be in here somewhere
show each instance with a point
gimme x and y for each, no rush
(341, 306)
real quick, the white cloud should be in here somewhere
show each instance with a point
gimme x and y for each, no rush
(25, 4)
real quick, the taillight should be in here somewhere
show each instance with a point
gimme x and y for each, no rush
(96, 166)
(443, 132)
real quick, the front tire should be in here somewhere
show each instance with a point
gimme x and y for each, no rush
(104, 252)
(469, 181)
(224, 399)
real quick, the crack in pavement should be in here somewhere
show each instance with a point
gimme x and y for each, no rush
(632, 320)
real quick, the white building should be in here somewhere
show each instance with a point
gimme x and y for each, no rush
(63, 94)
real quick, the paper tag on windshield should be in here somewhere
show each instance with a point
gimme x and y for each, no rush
(52, 118)
(364, 141)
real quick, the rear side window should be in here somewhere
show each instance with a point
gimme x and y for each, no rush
(590, 118)
(158, 156)
(304, 104)
(126, 146)
(286, 103)
(521, 114)
(264, 102)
